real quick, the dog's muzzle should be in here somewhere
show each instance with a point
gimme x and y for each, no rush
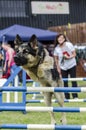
(20, 60)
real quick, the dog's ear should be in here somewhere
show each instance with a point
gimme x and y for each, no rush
(17, 42)
(32, 38)
(33, 41)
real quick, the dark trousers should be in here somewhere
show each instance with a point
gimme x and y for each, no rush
(72, 73)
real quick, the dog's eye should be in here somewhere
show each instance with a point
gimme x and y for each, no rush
(17, 51)
(25, 51)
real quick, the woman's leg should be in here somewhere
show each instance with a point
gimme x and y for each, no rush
(65, 75)
(72, 73)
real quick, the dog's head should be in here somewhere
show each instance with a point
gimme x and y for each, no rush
(26, 54)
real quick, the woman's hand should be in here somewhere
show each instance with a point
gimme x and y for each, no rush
(60, 75)
(66, 57)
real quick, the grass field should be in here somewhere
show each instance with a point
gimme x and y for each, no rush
(43, 117)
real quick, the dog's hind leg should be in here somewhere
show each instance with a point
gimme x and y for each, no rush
(47, 99)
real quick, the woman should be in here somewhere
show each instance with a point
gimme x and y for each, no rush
(64, 55)
(9, 66)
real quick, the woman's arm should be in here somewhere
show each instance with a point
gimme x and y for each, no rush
(10, 58)
(73, 54)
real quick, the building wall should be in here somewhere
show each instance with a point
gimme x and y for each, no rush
(19, 12)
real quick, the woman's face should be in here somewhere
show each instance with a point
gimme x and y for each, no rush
(61, 39)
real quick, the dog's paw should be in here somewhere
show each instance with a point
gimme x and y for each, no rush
(64, 122)
(53, 122)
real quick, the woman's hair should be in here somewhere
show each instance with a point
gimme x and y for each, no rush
(56, 39)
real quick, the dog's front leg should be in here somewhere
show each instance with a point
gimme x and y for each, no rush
(40, 72)
(47, 99)
(45, 67)
(60, 98)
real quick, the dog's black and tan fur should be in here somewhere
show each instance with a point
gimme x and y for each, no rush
(40, 67)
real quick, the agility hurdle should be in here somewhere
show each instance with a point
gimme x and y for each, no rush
(38, 126)
(54, 101)
(17, 101)
(52, 89)
(44, 127)
(16, 84)
(45, 109)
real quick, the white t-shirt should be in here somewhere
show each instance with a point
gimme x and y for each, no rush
(68, 48)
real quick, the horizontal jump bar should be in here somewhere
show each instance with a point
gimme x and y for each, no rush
(54, 100)
(43, 109)
(74, 79)
(44, 89)
(66, 79)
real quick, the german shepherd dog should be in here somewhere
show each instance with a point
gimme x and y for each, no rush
(35, 60)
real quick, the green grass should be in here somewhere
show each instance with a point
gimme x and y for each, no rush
(43, 117)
